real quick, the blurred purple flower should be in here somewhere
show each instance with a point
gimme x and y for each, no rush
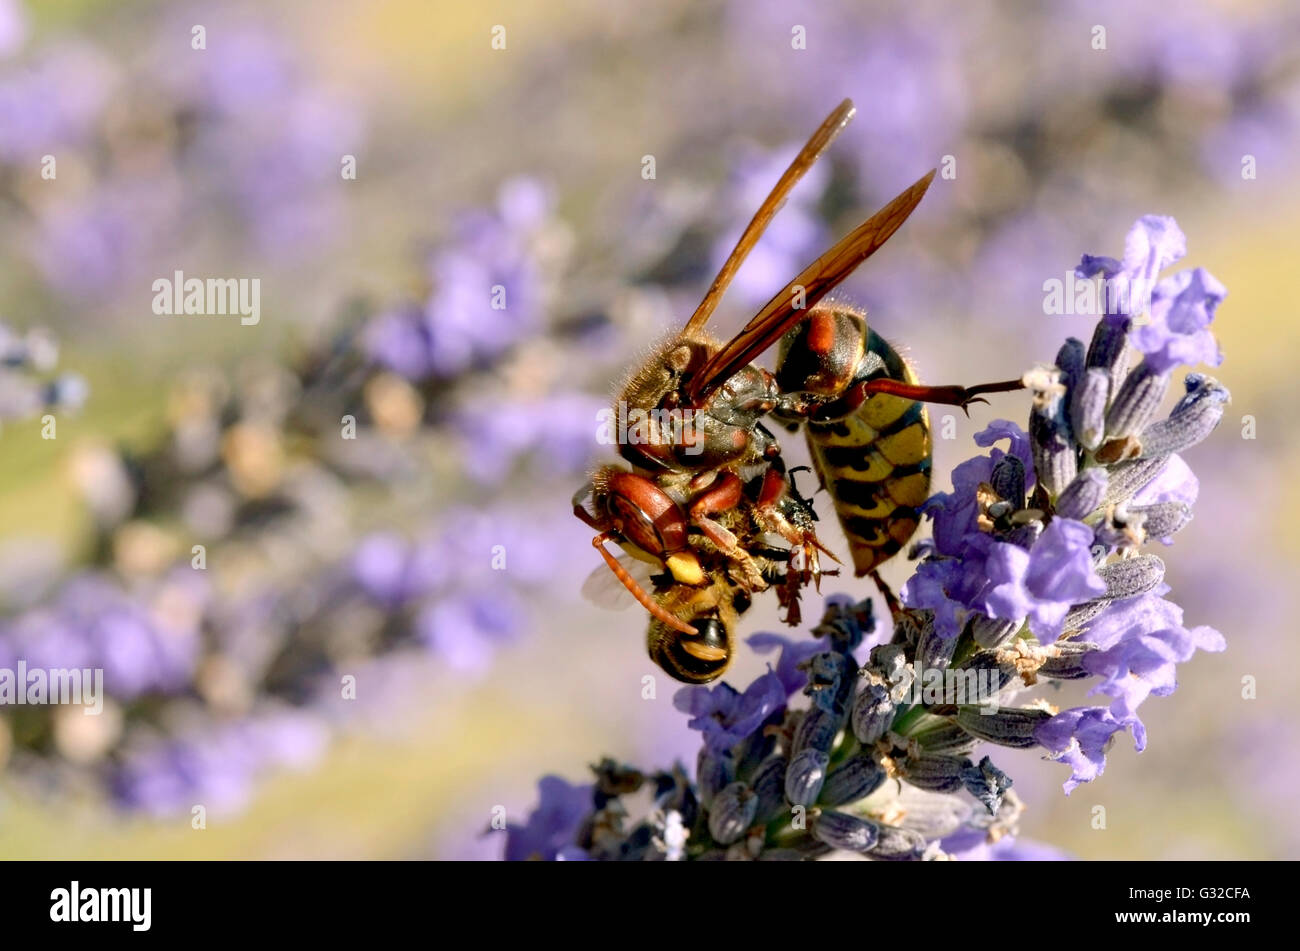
(400, 340)
(902, 67)
(555, 432)
(393, 572)
(553, 825)
(488, 291)
(971, 844)
(794, 238)
(108, 237)
(93, 622)
(54, 101)
(215, 766)
(13, 27)
(465, 627)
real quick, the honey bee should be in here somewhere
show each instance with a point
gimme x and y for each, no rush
(707, 484)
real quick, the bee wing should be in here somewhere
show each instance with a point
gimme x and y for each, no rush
(817, 280)
(603, 589)
(832, 126)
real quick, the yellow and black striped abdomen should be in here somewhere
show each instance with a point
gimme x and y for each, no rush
(876, 462)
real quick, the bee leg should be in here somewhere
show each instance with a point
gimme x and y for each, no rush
(636, 590)
(587, 518)
(722, 496)
(580, 506)
(949, 395)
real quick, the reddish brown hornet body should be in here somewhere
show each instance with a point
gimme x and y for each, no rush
(707, 481)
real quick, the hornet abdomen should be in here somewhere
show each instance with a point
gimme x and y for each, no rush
(873, 455)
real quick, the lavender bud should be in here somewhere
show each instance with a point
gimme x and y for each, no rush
(713, 772)
(992, 632)
(1054, 453)
(911, 625)
(1110, 348)
(831, 676)
(805, 776)
(732, 813)
(817, 730)
(1127, 477)
(1131, 576)
(675, 793)
(1164, 518)
(986, 783)
(1136, 402)
(1071, 360)
(947, 737)
(613, 779)
(934, 652)
(873, 712)
(1081, 614)
(751, 751)
(898, 845)
(854, 779)
(936, 772)
(1069, 665)
(998, 675)
(890, 661)
(1192, 420)
(846, 623)
(840, 830)
(934, 817)
(1008, 481)
(1088, 408)
(1083, 496)
(768, 783)
(1013, 727)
